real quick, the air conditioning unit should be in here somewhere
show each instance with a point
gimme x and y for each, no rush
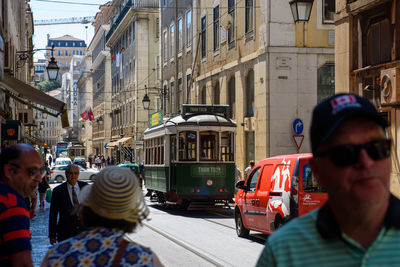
(389, 83)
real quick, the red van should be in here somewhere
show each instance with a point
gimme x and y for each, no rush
(277, 189)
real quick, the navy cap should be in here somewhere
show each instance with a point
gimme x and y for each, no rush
(332, 112)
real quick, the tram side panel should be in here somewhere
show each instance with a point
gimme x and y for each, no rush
(157, 178)
(203, 181)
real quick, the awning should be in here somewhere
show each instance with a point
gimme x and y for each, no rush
(124, 140)
(112, 144)
(24, 91)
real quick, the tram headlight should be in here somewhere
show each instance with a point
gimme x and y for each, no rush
(209, 182)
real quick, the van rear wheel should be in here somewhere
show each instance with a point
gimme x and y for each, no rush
(241, 231)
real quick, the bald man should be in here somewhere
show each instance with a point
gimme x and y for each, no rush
(20, 173)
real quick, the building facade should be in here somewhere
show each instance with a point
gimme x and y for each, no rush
(133, 40)
(101, 83)
(65, 47)
(367, 57)
(269, 70)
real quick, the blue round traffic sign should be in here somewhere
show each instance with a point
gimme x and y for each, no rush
(297, 126)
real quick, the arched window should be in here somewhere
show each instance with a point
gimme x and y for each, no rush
(216, 94)
(249, 108)
(203, 95)
(231, 95)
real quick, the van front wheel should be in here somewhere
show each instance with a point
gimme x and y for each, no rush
(241, 231)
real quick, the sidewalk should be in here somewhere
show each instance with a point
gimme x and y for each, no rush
(39, 230)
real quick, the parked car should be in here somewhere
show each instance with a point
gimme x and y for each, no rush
(133, 166)
(58, 173)
(63, 161)
(277, 190)
(80, 161)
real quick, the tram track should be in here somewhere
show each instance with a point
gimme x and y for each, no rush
(215, 261)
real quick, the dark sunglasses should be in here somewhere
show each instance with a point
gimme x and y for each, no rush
(346, 155)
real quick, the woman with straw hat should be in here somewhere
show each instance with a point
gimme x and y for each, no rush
(114, 206)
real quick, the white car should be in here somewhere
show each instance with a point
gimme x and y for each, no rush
(63, 161)
(58, 173)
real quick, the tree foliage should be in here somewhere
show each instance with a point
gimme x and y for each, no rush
(47, 86)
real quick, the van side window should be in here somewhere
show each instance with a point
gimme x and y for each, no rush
(252, 181)
(310, 184)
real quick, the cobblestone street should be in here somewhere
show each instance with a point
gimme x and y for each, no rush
(39, 229)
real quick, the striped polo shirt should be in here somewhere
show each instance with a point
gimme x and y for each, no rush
(14, 224)
(315, 239)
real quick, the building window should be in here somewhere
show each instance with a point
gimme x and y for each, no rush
(231, 13)
(250, 94)
(165, 43)
(180, 93)
(325, 81)
(189, 28)
(328, 11)
(188, 78)
(173, 100)
(203, 37)
(66, 52)
(378, 42)
(249, 16)
(172, 40)
(231, 90)
(180, 25)
(203, 95)
(216, 94)
(216, 28)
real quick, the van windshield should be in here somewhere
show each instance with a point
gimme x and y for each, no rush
(310, 184)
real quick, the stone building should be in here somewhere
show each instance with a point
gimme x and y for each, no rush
(133, 39)
(101, 82)
(65, 47)
(269, 70)
(367, 55)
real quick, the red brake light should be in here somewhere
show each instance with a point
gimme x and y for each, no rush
(197, 190)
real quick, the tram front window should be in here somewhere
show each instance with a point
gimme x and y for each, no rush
(209, 145)
(187, 146)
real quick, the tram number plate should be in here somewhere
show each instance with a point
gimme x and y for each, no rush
(208, 171)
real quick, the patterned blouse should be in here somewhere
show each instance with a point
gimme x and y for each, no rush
(97, 247)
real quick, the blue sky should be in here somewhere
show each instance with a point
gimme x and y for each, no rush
(56, 9)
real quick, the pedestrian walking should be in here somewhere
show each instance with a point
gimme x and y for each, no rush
(114, 207)
(360, 223)
(248, 169)
(20, 173)
(90, 160)
(98, 162)
(108, 160)
(44, 185)
(50, 160)
(64, 205)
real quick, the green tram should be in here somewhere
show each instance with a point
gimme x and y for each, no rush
(190, 158)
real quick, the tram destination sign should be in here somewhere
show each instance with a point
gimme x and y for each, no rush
(208, 170)
(211, 109)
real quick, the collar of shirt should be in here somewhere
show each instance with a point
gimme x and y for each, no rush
(328, 227)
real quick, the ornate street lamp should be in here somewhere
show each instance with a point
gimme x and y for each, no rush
(301, 9)
(146, 101)
(52, 67)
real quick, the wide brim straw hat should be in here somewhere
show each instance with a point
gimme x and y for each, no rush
(116, 194)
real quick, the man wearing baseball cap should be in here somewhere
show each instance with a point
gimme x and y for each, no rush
(360, 223)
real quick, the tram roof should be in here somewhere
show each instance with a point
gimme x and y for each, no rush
(194, 120)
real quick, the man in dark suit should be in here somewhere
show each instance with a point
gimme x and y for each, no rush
(64, 205)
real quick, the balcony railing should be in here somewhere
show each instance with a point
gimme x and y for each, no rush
(129, 4)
